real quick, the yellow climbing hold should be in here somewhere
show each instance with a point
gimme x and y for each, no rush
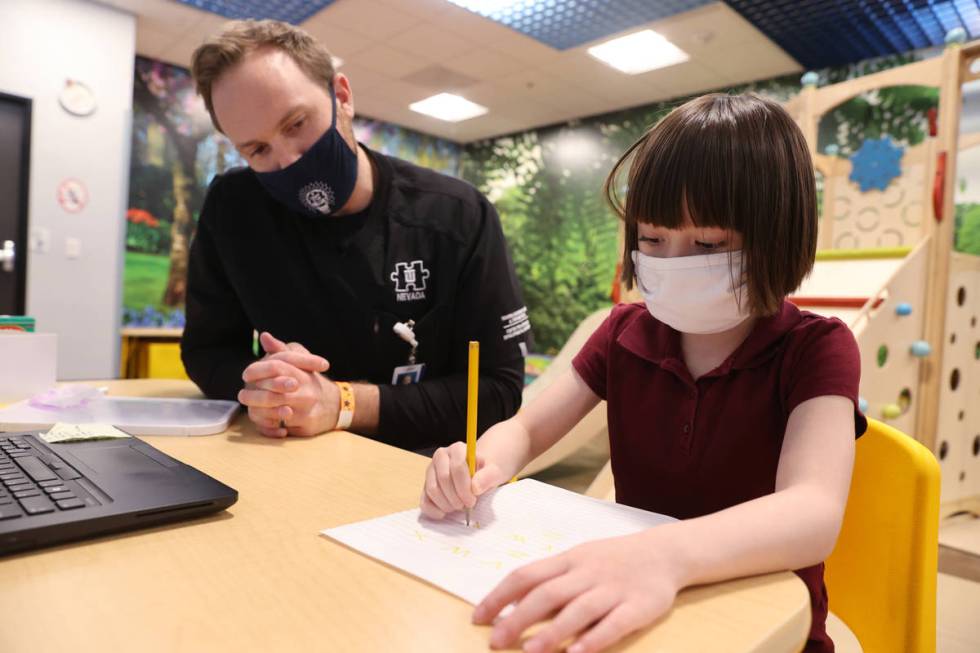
(891, 411)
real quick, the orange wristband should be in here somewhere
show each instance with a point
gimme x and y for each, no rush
(346, 414)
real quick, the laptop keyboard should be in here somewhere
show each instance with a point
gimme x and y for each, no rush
(35, 482)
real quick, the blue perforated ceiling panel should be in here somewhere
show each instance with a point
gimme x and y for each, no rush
(817, 33)
(291, 11)
(820, 33)
(564, 24)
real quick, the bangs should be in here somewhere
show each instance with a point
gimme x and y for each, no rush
(699, 162)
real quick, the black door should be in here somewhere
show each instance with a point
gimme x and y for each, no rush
(15, 150)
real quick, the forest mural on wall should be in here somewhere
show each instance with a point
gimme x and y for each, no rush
(546, 185)
(175, 154)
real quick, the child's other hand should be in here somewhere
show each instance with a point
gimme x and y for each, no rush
(448, 486)
(596, 593)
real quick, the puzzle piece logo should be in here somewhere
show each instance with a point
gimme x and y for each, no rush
(410, 281)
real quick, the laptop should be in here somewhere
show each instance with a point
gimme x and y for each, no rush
(55, 493)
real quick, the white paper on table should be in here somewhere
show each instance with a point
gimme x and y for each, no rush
(511, 526)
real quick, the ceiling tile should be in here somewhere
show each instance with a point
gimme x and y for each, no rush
(363, 79)
(340, 41)
(485, 64)
(683, 79)
(180, 51)
(712, 26)
(473, 27)
(426, 9)
(290, 11)
(593, 76)
(164, 15)
(527, 50)
(371, 18)
(490, 94)
(389, 61)
(751, 61)
(431, 42)
(536, 86)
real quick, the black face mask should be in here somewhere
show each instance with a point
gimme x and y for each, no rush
(319, 182)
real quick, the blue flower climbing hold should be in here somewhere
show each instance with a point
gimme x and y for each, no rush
(903, 309)
(876, 163)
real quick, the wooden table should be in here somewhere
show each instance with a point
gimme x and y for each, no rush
(259, 577)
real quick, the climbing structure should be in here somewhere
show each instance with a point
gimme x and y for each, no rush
(887, 267)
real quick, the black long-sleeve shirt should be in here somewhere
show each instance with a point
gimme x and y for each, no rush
(428, 248)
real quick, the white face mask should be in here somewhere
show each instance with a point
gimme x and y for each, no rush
(693, 294)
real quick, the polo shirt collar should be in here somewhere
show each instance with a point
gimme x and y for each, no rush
(652, 340)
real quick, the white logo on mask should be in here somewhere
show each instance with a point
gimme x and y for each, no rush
(317, 196)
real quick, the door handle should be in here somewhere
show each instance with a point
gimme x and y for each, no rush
(8, 255)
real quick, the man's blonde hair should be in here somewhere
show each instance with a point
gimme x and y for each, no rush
(239, 38)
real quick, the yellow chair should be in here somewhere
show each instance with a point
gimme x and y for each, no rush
(881, 577)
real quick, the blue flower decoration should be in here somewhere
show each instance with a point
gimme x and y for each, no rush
(876, 163)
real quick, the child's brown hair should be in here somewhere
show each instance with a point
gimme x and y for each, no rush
(736, 162)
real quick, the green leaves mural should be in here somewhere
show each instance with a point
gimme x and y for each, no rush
(562, 237)
(547, 187)
(896, 111)
(968, 228)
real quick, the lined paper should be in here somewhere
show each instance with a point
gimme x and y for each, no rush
(511, 526)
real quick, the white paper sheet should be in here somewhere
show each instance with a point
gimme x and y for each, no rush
(510, 527)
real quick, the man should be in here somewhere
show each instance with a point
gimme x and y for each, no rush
(373, 269)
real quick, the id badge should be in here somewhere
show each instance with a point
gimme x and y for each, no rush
(407, 374)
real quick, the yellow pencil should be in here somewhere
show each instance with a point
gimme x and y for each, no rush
(471, 402)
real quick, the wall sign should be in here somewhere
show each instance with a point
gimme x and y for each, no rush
(72, 195)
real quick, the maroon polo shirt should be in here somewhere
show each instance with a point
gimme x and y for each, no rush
(688, 448)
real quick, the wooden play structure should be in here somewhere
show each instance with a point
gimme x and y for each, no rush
(887, 268)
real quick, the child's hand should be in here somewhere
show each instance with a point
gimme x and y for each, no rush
(448, 486)
(620, 584)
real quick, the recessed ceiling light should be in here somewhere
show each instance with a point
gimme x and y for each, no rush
(448, 107)
(639, 52)
(336, 61)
